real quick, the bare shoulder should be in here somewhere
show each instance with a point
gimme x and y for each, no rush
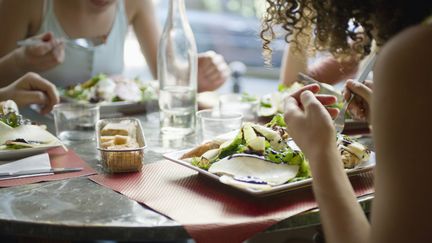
(22, 8)
(27, 12)
(136, 7)
(401, 120)
(408, 53)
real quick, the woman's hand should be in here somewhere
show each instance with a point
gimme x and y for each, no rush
(310, 122)
(41, 56)
(31, 89)
(213, 71)
(360, 105)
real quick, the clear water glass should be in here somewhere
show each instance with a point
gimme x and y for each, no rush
(235, 103)
(213, 123)
(75, 122)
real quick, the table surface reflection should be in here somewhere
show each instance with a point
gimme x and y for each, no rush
(83, 210)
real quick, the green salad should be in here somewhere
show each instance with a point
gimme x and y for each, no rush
(269, 142)
(101, 88)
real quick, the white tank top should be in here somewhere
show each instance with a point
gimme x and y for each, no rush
(81, 64)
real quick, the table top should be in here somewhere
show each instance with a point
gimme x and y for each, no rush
(83, 210)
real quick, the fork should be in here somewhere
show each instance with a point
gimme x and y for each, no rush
(339, 122)
(88, 43)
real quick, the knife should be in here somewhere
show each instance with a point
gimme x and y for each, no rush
(39, 171)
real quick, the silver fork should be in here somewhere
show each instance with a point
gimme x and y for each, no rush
(87, 43)
(339, 122)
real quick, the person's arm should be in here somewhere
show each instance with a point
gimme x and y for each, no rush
(293, 62)
(402, 129)
(308, 120)
(31, 89)
(327, 70)
(18, 21)
(402, 121)
(359, 108)
(13, 27)
(146, 29)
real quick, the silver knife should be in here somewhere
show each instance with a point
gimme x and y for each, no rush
(39, 171)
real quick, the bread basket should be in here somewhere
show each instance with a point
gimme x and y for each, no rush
(125, 159)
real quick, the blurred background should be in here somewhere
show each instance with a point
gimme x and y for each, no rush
(230, 28)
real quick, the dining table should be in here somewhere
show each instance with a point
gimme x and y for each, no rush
(79, 209)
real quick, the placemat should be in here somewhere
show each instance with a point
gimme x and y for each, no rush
(58, 159)
(209, 210)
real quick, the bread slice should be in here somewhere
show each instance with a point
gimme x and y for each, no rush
(120, 128)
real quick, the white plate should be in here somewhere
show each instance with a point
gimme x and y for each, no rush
(174, 156)
(27, 132)
(15, 154)
(115, 109)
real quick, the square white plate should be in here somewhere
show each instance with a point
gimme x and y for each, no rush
(174, 157)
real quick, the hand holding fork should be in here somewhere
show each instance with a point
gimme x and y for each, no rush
(339, 122)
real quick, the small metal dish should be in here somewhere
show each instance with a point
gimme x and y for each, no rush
(122, 160)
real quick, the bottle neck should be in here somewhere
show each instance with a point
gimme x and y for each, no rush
(176, 11)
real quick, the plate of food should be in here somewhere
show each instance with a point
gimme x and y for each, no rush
(20, 138)
(114, 95)
(263, 160)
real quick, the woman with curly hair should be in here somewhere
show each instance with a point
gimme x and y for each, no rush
(400, 112)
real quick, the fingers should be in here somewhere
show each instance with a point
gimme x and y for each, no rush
(292, 110)
(314, 88)
(369, 84)
(310, 102)
(48, 45)
(37, 85)
(35, 97)
(334, 112)
(326, 100)
(28, 97)
(359, 89)
(314, 107)
(212, 71)
(46, 37)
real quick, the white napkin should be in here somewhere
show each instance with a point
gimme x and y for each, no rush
(35, 162)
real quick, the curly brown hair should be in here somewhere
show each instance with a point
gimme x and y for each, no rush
(345, 28)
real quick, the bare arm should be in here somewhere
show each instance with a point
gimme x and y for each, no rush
(293, 62)
(20, 20)
(401, 117)
(327, 70)
(15, 18)
(146, 29)
(402, 121)
(31, 89)
(342, 217)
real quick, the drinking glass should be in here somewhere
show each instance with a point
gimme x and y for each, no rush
(213, 123)
(75, 122)
(235, 103)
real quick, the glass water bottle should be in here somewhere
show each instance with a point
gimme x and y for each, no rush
(177, 73)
